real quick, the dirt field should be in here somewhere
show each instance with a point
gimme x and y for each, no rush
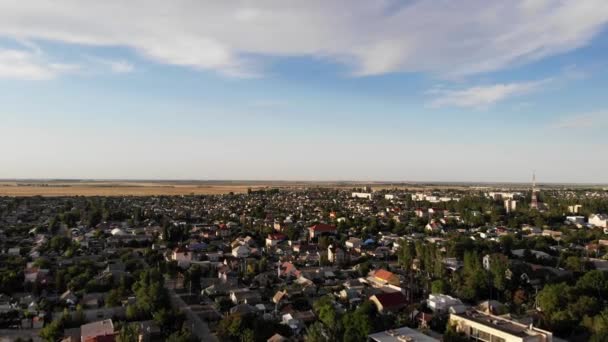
(149, 188)
(175, 188)
(116, 189)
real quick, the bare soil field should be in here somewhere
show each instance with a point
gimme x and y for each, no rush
(50, 188)
(158, 188)
(115, 189)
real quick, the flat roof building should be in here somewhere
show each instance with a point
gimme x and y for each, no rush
(401, 335)
(479, 326)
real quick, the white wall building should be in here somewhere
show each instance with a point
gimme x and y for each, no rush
(443, 303)
(510, 205)
(479, 326)
(599, 220)
(575, 219)
(362, 195)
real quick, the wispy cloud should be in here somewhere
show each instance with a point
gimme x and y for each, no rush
(483, 96)
(475, 36)
(118, 66)
(592, 120)
(28, 65)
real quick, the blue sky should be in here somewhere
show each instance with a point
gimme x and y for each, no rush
(322, 90)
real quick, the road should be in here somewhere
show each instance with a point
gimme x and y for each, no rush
(198, 326)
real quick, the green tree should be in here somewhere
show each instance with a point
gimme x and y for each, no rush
(128, 333)
(439, 286)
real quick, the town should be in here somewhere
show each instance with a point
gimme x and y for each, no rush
(477, 263)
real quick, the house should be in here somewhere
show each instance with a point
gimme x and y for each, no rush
(100, 331)
(383, 277)
(362, 195)
(274, 239)
(245, 296)
(353, 243)
(182, 255)
(321, 229)
(433, 226)
(538, 254)
(287, 269)
(575, 219)
(335, 255)
(484, 327)
(389, 302)
(420, 212)
(241, 251)
(599, 220)
(444, 303)
(69, 298)
(402, 334)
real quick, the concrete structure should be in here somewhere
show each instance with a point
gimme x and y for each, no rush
(479, 326)
(575, 209)
(353, 243)
(400, 335)
(443, 303)
(335, 255)
(599, 220)
(575, 219)
(362, 195)
(510, 205)
(241, 251)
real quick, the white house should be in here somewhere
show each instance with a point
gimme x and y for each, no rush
(353, 243)
(575, 219)
(362, 195)
(599, 220)
(241, 251)
(335, 254)
(443, 303)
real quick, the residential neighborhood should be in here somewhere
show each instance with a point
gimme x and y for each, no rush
(311, 264)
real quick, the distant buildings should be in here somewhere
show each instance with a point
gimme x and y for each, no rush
(510, 205)
(575, 209)
(367, 195)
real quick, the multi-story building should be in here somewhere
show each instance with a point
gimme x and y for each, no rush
(510, 205)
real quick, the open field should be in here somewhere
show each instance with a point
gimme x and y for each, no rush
(114, 189)
(48, 188)
(172, 188)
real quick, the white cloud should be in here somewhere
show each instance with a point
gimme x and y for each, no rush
(483, 96)
(578, 121)
(372, 37)
(119, 66)
(27, 65)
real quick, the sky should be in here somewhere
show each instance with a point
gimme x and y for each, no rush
(386, 90)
